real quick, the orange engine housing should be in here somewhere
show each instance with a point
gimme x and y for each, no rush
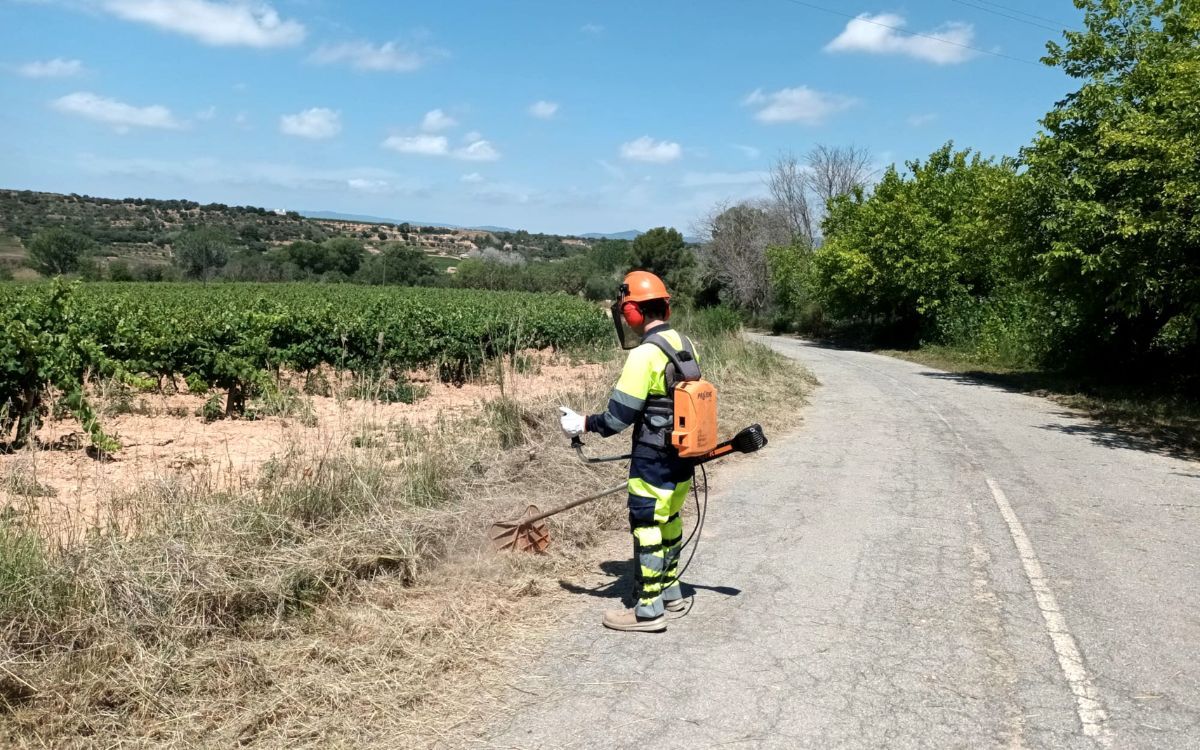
(695, 432)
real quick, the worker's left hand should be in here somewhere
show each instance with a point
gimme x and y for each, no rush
(572, 423)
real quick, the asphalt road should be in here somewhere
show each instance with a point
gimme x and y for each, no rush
(927, 562)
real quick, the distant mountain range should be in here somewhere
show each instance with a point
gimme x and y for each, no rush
(630, 234)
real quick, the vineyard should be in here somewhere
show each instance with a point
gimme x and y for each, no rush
(233, 337)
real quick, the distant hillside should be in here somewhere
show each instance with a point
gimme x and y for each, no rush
(366, 219)
(142, 230)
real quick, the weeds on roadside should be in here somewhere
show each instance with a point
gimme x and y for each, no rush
(21, 481)
(195, 614)
(282, 401)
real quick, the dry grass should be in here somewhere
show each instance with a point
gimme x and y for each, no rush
(345, 598)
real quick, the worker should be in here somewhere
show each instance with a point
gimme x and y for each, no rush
(659, 480)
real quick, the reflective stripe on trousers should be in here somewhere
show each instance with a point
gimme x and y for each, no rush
(657, 541)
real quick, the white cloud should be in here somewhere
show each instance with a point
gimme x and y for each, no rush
(478, 150)
(917, 121)
(592, 28)
(435, 120)
(543, 110)
(799, 104)
(474, 148)
(56, 68)
(316, 123)
(223, 24)
(423, 145)
(120, 115)
(389, 57)
(879, 35)
(365, 185)
(649, 150)
(472, 178)
(750, 151)
(207, 113)
(711, 179)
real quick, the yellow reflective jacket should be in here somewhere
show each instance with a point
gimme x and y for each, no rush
(643, 377)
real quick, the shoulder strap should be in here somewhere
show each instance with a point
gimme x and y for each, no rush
(684, 362)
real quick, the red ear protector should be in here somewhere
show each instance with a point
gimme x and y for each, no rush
(632, 314)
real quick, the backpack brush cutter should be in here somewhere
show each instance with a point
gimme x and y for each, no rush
(531, 534)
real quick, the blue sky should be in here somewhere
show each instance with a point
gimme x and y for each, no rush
(550, 115)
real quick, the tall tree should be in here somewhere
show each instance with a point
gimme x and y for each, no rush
(834, 171)
(398, 264)
(735, 252)
(663, 252)
(919, 241)
(58, 251)
(199, 253)
(788, 183)
(801, 190)
(1117, 171)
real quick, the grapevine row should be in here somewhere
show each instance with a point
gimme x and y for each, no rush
(231, 335)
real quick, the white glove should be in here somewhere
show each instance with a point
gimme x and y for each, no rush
(572, 423)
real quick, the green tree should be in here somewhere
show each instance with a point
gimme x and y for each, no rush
(58, 251)
(398, 264)
(610, 256)
(343, 254)
(199, 253)
(790, 270)
(917, 243)
(1117, 172)
(663, 252)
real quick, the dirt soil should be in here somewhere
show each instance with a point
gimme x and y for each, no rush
(164, 439)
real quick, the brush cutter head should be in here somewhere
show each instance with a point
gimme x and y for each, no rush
(525, 535)
(749, 440)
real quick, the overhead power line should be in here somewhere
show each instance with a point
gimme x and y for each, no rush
(1057, 23)
(1002, 14)
(906, 32)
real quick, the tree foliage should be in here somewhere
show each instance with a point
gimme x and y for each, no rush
(1117, 172)
(919, 241)
(735, 252)
(199, 253)
(398, 264)
(663, 252)
(58, 251)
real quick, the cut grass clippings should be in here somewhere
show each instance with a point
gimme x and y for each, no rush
(1153, 420)
(345, 598)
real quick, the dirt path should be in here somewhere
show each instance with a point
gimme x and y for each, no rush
(929, 562)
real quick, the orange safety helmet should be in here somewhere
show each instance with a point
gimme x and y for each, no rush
(641, 286)
(638, 287)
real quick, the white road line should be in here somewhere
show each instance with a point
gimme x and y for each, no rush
(1090, 709)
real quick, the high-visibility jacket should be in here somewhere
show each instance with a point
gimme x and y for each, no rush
(643, 378)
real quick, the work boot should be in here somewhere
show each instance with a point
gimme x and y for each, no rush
(627, 620)
(675, 605)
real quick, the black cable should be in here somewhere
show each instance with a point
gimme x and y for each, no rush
(906, 32)
(1018, 19)
(701, 514)
(1054, 21)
